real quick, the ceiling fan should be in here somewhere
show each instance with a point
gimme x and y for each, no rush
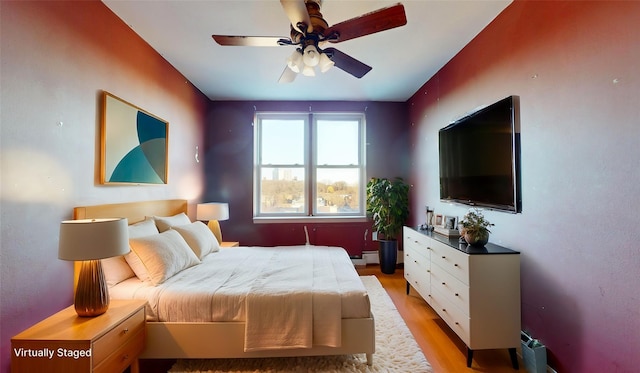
(309, 32)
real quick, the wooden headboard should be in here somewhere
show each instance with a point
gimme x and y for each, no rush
(134, 211)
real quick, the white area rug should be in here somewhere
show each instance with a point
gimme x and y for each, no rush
(396, 349)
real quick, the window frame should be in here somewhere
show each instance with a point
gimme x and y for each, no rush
(310, 166)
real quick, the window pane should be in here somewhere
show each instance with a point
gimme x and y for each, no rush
(282, 191)
(282, 141)
(338, 191)
(338, 142)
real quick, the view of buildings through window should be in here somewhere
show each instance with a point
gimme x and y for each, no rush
(304, 157)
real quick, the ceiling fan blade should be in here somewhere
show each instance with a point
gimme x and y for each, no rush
(247, 41)
(347, 63)
(370, 23)
(296, 11)
(287, 76)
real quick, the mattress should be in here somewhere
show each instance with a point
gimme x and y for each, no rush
(313, 283)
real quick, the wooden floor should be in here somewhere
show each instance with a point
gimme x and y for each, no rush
(442, 348)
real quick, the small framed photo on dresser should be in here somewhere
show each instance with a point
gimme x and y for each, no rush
(438, 222)
(450, 222)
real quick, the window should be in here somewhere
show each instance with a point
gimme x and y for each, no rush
(309, 164)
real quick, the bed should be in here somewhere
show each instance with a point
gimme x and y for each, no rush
(238, 329)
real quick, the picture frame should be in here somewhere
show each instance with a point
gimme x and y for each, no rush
(450, 222)
(439, 220)
(134, 144)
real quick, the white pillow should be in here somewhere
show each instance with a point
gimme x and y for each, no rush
(147, 227)
(199, 237)
(117, 269)
(160, 256)
(165, 222)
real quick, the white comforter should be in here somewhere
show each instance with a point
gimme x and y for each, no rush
(288, 296)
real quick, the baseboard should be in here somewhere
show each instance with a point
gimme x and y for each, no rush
(371, 257)
(359, 262)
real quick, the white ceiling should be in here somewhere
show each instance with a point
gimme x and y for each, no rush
(403, 59)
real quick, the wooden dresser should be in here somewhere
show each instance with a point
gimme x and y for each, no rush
(476, 291)
(65, 342)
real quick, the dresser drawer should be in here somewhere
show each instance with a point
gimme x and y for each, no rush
(415, 250)
(417, 242)
(118, 336)
(450, 287)
(124, 355)
(411, 256)
(417, 275)
(456, 319)
(451, 260)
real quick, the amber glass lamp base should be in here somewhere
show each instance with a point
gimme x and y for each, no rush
(92, 295)
(214, 225)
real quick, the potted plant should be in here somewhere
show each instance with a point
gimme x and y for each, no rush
(388, 205)
(475, 228)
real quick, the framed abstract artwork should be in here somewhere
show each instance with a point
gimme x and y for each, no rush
(133, 143)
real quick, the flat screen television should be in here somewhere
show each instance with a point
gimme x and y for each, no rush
(480, 158)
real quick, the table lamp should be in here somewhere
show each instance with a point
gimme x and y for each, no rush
(213, 212)
(89, 240)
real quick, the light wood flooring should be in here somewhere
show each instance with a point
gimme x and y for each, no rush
(442, 348)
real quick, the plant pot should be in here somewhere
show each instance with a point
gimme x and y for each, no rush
(477, 240)
(388, 255)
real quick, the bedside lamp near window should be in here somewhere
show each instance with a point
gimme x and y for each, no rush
(89, 240)
(213, 212)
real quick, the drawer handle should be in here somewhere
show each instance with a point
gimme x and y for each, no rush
(415, 261)
(455, 264)
(125, 331)
(456, 294)
(444, 310)
(125, 357)
(444, 257)
(444, 283)
(428, 248)
(457, 323)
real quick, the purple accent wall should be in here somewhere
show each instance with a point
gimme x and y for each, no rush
(229, 160)
(576, 67)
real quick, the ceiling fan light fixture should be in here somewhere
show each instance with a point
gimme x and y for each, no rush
(311, 57)
(325, 63)
(308, 71)
(294, 62)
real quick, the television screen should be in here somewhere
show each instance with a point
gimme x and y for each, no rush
(480, 158)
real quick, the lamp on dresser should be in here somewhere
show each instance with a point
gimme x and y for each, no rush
(213, 212)
(89, 240)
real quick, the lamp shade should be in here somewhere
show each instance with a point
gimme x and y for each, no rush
(295, 62)
(308, 71)
(325, 63)
(311, 57)
(212, 211)
(90, 239)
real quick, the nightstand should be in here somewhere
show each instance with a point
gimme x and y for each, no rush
(65, 342)
(230, 244)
